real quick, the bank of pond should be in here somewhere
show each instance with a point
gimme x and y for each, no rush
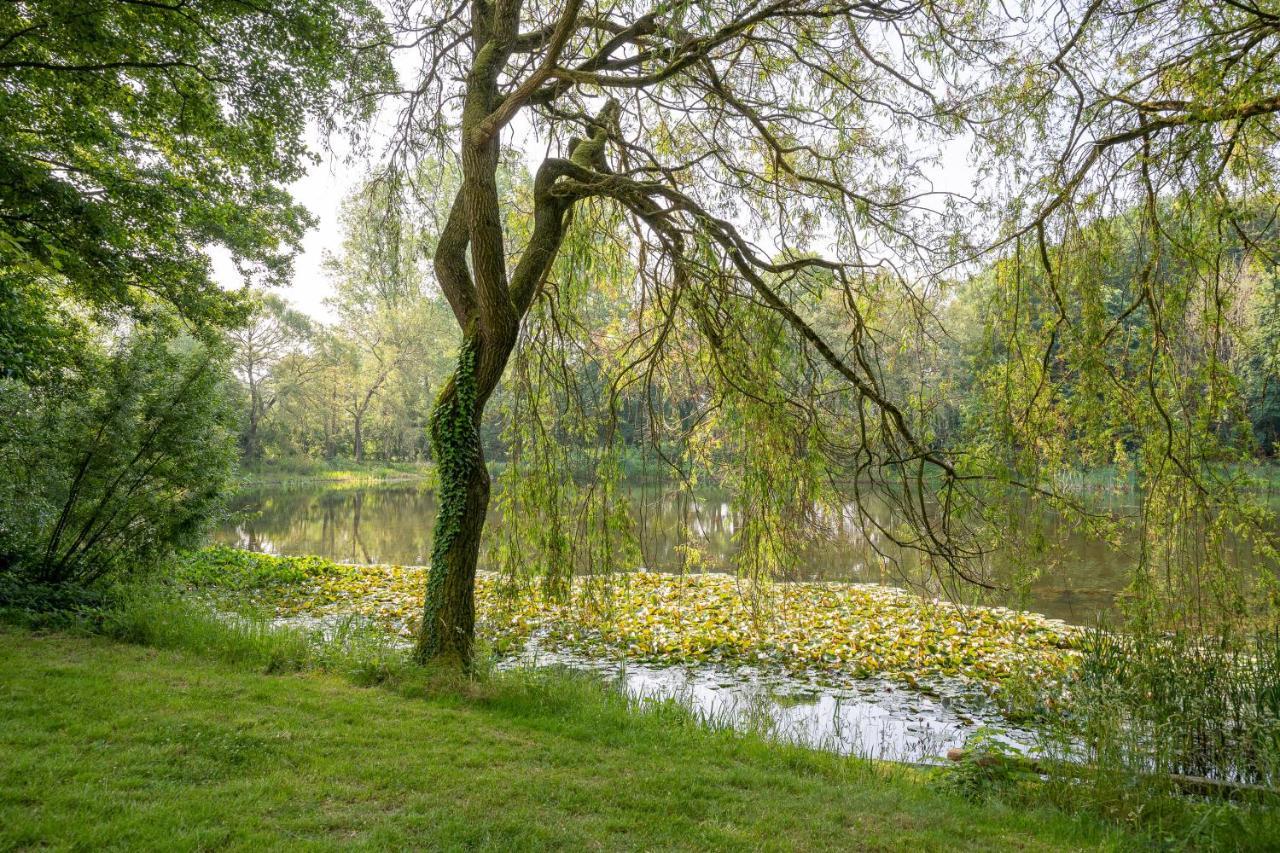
(854, 668)
(199, 735)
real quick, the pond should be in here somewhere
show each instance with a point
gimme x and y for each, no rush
(875, 717)
(392, 523)
(872, 718)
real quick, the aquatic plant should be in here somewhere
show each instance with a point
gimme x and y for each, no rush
(832, 631)
(1177, 703)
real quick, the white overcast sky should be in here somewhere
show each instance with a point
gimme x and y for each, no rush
(331, 180)
(326, 184)
(321, 192)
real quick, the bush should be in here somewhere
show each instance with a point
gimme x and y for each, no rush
(1202, 706)
(987, 768)
(113, 465)
(222, 567)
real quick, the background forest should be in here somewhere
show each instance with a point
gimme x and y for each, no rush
(361, 385)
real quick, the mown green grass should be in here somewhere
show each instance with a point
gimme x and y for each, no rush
(111, 744)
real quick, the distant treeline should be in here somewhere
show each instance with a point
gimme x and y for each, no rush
(362, 386)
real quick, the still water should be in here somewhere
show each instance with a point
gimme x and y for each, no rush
(392, 522)
(870, 717)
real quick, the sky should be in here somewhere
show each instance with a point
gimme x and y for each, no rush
(321, 192)
(326, 184)
(332, 179)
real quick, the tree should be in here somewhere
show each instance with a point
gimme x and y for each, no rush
(119, 463)
(1260, 367)
(1141, 187)
(698, 129)
(751, 161)
(261, 358)
(380, 297)
(135, 135)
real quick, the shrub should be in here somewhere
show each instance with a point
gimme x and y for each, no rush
(120, 461)
(1204, 706)
(989, 766)
(222, 567)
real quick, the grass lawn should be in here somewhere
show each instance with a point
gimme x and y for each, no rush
(113, 745)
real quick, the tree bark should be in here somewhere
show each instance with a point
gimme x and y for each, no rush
(251, 448)
(448, 629)
(447, 632)
(489, 308)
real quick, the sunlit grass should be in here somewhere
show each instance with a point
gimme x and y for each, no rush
(217, 729)
(130, 746)
(332, 471)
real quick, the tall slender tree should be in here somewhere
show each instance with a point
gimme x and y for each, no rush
(261, 358)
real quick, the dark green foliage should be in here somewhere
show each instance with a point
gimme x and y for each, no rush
(133, 135)
(1260, 364)
(456, 449)
(220, 567)
(989, 767)
(39, 336)
(117, 464)
(45, 605)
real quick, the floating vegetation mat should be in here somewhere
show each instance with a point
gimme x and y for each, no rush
(832, 631)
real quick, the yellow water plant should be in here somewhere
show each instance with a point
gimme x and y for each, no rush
(829, 630)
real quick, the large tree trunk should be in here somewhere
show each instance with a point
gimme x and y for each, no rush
(489, 308)
(448, 628)
(447, 632)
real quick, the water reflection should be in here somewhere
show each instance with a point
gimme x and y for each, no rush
(873, 718)
(391, 523)
(870, 718)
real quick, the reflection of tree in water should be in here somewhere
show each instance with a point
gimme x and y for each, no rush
(357, 506)
(392, 524)
(329, 505)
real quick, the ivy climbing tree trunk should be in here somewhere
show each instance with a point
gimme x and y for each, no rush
(448, 624)
(488, 307)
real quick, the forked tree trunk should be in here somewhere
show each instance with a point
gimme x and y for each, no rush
(489, 307)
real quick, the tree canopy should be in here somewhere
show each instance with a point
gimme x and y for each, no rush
(135, 136)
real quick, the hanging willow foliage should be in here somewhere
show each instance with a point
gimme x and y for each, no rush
(736, 223)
